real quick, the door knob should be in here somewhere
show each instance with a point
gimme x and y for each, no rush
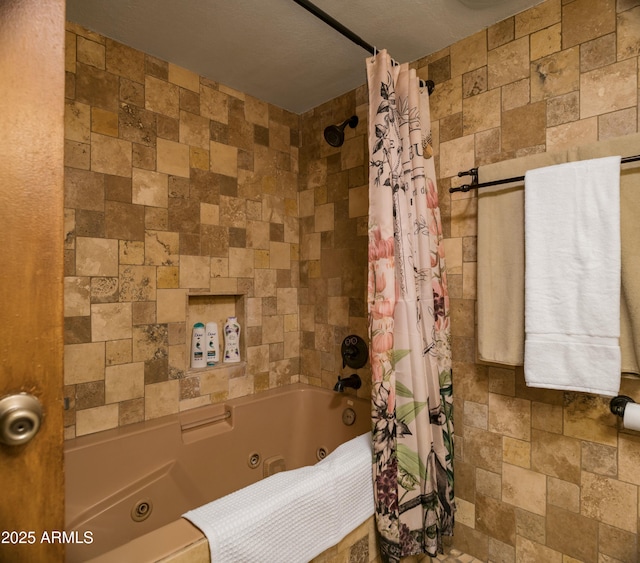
(20, 417)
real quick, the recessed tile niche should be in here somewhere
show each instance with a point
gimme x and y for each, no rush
(208, 307)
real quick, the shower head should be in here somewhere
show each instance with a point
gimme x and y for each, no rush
(334, 134)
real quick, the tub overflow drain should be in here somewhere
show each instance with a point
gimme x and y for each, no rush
(348, 416)
(141, 510)
(254, 460)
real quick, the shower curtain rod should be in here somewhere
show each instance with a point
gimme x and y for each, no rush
(473, 172)
(335, 24)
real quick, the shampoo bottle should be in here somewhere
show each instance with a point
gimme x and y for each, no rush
(213, 345)
(232, 340)
(198, 357)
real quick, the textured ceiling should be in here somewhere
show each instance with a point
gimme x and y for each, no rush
(277, 51)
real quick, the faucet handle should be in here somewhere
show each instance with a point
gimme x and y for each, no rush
(354, 352)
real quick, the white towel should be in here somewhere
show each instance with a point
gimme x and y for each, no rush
(295, 515)
(572, 276)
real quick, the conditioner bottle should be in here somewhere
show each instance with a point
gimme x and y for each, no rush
(213, 344)
(232, 340)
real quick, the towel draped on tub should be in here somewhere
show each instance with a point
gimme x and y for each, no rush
(294, 515)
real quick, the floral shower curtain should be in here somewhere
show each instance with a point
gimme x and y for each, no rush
(412, 403)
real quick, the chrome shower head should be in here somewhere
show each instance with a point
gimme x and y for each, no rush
(334, 134)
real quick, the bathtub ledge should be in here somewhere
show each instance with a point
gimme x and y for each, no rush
(168, 543)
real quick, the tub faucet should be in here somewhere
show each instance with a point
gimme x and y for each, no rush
(352, 381)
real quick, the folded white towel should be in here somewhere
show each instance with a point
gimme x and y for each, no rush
(572, 276)
(295, 515)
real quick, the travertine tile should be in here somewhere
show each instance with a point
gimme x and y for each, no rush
(563, 494)
(77, 301)
(110, 155)
(572, 534)
(563, 137)
(555, 75)
(104, 122)
(628, 458)
(587, 417)
(150, 188)
(173, 158)
(524, 488)
(131, 252)
(194, 271)
(469, 54)
(508, 63)
(530, 526)
(118, 352)
(456, 155)
(110, 321)
(616, 543)
(465, 512)
(483, 449)
(77, 122)
(496, 519)
(516, 452)
(481, 112)
(584, 20)
(546, 417)
(609, 88)
(223, 159)
(150, 342)
(104, 290)
(546, 41)
(124, 382)
(124, 61)
(609, 501)
(555, 455)
(84, 190)
(279, 255)
(96, 419)
(84, 362)
(137, 283)
(183, 77)
(528, 551)
(161, 399)
(96, 257)
(618, 124)
(324, 217)
(544, 15)
(194, 130)
(501, 33)
(214, 104)
(162, 97)
(524, 127)
(510, 416)
(598, 53)
(598, 458)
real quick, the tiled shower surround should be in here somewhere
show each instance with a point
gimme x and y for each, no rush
(178, 185)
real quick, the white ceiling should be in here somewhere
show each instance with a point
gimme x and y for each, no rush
(277, 51)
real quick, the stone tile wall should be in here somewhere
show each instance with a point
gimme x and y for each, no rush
(541, 475)
(175, 186)
(334, 208)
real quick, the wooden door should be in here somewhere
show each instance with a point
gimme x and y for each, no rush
(31, 271)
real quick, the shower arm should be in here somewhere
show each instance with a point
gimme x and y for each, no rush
(346, 32)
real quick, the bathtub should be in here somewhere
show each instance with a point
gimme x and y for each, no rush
(130, 485)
